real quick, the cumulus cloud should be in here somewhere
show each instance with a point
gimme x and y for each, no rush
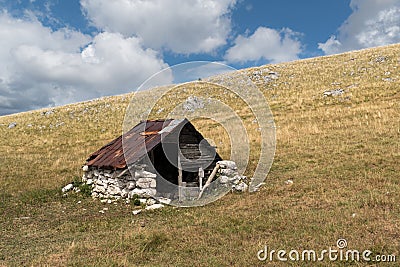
(372, 23)
(267, 44)
(180, 26)
(42, 67)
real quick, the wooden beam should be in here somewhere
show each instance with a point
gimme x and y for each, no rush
(201, 176)
(179, 178)
(123, 172)
(209, 180)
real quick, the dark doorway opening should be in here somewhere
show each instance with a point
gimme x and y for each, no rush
(166, 167)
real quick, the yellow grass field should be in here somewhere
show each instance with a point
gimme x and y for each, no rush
(341, 152)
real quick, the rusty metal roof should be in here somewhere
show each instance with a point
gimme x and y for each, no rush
(133, 145)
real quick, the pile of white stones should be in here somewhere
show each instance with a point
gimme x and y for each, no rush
(229, 176)
(111, 185)
(117, 184)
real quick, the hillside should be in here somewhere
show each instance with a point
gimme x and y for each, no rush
(338, 139)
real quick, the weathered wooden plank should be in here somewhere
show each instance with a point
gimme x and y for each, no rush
(201, 176)
(214, 172)
(180, 184)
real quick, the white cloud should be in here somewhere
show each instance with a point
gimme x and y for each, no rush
(372, 23)
(265, 43)
(331, 46)
(42, 67)
(181, 26)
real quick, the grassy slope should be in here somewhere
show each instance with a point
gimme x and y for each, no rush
(341, 152)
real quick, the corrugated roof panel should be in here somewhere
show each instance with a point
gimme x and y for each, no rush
(136, 144)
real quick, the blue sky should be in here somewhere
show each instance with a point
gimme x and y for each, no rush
(62, 51)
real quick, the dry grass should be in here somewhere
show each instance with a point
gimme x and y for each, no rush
(341, 152)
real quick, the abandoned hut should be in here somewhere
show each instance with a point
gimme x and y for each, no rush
(154, 158)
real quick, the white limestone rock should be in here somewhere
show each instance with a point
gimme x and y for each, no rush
(150, 201)
(146, 183)
(154, 207)
(227, 164)
(145, 174)
(223, 180)
(99, 189)
(112, 181)
(335, 92)
(289, 182)
(124, 193)
(67, 188)
(136, 212)
(108, 175)
(235, 179)
(12, 125)
(228, 172)
(241, 187)
(257, 187)
(131, 185)
(114, 190)
(145, 193)
(127, 177)
(150, 192)
(138, 192)
(192, 103)
(99, 182)
(164, 200)
(103, 179)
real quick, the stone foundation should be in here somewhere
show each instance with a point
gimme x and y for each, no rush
(120, 183)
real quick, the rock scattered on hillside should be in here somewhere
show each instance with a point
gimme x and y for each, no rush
(155, 206)
(67, 188)
(264, 75)
(289, 182)
(48, 113)
(12, 125)
(380, 59)
(335, 92)
(192, 103)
